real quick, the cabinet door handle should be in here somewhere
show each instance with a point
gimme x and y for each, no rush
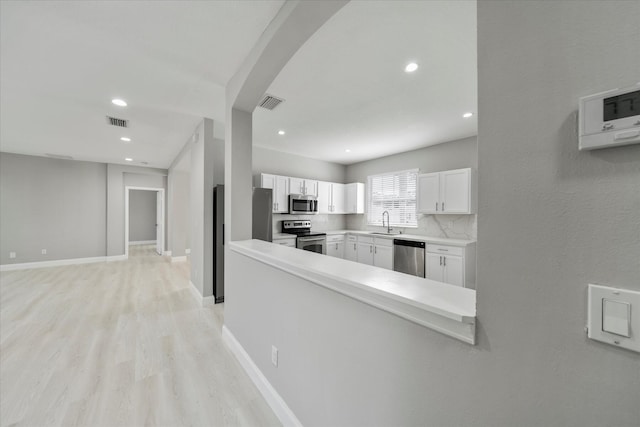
(354, 246)
(436, 206)
(440, 260)
(370, 249)
(444, 261)
(442, 206)
(375, 250)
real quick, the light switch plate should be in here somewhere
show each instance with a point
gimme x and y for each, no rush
(614, 316)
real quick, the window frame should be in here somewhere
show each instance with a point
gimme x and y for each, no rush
(393, 222)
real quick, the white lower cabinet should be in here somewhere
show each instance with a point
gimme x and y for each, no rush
(365, 250)
(383, 253)
(375, 251)
(451, 264)
(351, 248)
(335, 246)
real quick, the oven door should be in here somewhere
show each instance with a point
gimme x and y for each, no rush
(316, 244)
(305, 205)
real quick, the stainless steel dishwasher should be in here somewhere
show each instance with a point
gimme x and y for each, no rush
(408, 257)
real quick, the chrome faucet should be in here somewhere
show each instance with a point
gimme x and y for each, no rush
(388, 224)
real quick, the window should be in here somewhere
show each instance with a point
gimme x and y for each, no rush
(394, 192)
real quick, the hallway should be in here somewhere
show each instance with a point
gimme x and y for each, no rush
(120, 343)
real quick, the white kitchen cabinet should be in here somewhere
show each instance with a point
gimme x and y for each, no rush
(433, 267)
(280, 186)
(365, 250)
(354, 198)
(451, 264)
(351, 248)
(285, 241)
(448, 192)
(331, 197)
(337, 198)
(335, 246)
(375, 251)
(307, 187)
(383, 253)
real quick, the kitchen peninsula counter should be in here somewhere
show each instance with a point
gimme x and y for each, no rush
(448, 309)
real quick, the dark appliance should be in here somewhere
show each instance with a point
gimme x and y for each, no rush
(262, 229)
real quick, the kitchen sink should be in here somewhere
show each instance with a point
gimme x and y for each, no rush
(386, 234)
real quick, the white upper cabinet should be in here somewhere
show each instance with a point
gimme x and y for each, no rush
(331, 197)
(324, 197)
(307, 187)
(429, 192)
(280, 186)
(338, 198)
(448, 192)
(354, 198)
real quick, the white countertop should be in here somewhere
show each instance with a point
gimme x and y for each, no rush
(446, 308)
(417, 237)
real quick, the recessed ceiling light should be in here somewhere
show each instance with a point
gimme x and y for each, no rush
(125, 139)
(119, 102)
(467, 115)
(281, 132)
(411, 67)
(128, 159)
(347, 151)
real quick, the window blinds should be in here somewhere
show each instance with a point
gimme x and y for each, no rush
(394, 192)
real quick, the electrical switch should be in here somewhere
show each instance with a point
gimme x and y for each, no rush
(616, 317)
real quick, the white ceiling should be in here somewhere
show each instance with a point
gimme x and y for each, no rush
(62, 62)
(346, 87)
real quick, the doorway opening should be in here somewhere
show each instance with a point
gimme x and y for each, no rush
(144, 219)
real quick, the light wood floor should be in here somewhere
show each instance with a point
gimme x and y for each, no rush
(118, 344)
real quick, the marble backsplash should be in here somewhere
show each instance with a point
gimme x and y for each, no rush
(447, 226)
(318, 222)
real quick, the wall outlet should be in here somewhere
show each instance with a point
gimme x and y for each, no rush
(44, 252)
(187, 251)
(12, 255)
(274, 355)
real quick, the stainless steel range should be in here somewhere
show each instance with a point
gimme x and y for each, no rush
(307, 240)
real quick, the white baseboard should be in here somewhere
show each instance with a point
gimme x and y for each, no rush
(275, 401)
(195, 292)
(60, 262)
(142, 242)
(178, 258)
(203, 301)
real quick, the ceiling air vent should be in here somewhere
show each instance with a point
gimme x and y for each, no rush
(270, 102)
(113, 121)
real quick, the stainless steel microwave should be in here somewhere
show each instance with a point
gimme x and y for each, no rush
(300, 204)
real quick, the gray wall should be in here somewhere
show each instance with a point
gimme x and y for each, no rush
(179, 213)
(279, 163)
(551, 220)
(450, 155)
(57, 205)
(142, 215)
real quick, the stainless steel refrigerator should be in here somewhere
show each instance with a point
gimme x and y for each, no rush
(262, 229)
